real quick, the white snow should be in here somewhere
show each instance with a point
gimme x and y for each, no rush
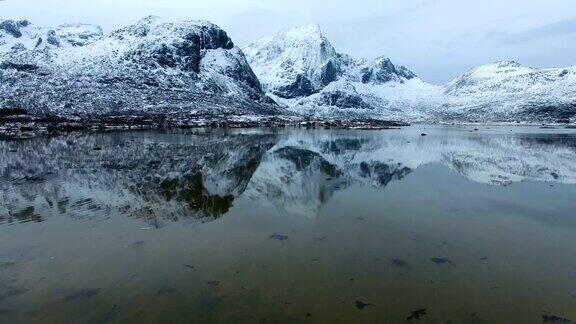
(152, 53)
(327, 83)
(278, 59)
(500, 91)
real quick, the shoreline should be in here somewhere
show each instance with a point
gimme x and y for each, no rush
(21, 127)
(26, 126)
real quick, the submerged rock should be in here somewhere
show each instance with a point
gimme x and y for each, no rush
(400, 263)
(361, 305)
(417, 314)
(549, 318)
(83, 294)
(441, 260)
(279, 237)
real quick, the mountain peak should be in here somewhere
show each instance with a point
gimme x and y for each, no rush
(497, 70)
(499, 65)
(294, 62)
(310, 30)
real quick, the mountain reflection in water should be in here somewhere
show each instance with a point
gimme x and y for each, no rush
(290, 225)
(161, 177)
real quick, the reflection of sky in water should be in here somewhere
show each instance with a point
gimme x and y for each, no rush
(471, 226)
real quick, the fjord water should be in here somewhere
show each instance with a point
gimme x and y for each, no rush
(467, 224)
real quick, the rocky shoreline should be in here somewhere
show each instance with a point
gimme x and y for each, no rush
(20, 126)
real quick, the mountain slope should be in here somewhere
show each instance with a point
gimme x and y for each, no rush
(155, 66)
(301, 69)
(295, 63)
(507, 91)
(184, 69)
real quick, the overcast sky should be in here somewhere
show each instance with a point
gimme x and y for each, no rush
(437, 39)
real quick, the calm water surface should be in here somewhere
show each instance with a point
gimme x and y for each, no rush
(282, 226)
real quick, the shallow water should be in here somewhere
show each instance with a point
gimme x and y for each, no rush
(260, 225)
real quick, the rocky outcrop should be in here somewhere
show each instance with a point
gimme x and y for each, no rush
(12, 27)
(382, 70)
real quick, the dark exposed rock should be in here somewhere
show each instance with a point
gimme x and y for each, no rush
(12, 112)
(12, 27)
(329, 72)
(21, 67)
(343, 99)
(384, 71)
(301, 87)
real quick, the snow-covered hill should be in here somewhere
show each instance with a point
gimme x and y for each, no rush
(300, 69)
(154, 66)
(507, 91)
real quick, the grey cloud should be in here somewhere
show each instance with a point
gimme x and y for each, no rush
(565, 28)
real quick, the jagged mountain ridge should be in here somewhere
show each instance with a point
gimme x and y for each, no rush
(192, 69)
(154, 66)
(302, 70)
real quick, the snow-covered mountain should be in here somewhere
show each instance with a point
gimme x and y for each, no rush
(185, 69)
(302, 70)
(154, 66)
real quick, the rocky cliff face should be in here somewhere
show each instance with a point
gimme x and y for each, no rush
(154, 66)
